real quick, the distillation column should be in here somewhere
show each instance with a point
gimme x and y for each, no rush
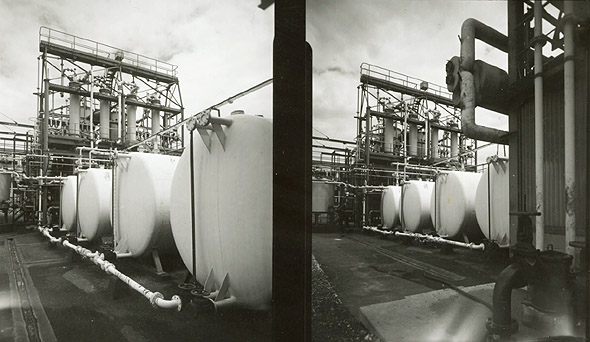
(388, 132)
(156, 123)
(413, 138)
(74, 125)
(105, 112)
(131, 120)
(434, 141)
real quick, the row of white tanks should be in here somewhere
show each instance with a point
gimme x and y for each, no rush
(152, 195)
(456, 204)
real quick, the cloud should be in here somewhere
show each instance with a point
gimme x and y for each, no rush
(220, 49)
(415, 38)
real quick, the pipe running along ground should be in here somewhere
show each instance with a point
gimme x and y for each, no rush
(155, 298)
(430, 238)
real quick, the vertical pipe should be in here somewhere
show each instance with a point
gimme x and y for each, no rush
(367, 135)
(74, 125)
(539, 159)
(131, 120)
(570, 127)
(454, 142)
(119, 112)
(156, 122)
(91, 89)
(434, 142)
(105, 112)
(413, 140)
(193, 214)
(388, 133)
(45, 124)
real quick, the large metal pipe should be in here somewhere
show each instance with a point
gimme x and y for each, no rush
(470, 30)
(105, 112)
(569, 126)
(468, 125)
(539, 159)
(512, 277)
(131, 120)
(474, 29)
(74, 125)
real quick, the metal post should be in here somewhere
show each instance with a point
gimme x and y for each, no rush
(193, 214)
(570, 127)
(539, 158)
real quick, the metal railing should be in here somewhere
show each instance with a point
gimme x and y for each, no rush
(95, 48)
(405, 80)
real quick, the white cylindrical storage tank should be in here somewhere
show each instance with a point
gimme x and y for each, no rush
(74, 125)
(5, 183)
(131, 120)
(453, 204)
(68, 202)
(233, 207)
(94, 203)
(105, 115)
(498, 203)
(322, 196)
(388, 135)
(143, 203)
(415, 209)
(390, 206)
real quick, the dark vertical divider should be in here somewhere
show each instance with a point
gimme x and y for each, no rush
(292, 174)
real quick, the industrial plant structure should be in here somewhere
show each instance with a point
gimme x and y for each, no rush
(105, 174)
(412, 170)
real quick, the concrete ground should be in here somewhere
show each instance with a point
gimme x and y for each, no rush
(387, 286)
(47, 296)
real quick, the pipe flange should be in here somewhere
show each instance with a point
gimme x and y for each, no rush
(156, 296)
(179, 301)
(501, 330)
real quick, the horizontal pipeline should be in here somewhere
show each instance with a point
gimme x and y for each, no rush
(155, 298)
(430, 238)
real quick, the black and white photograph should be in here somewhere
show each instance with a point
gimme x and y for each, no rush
(302, 170)
(449, 164)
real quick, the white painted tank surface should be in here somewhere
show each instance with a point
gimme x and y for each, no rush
(5, 182)
(499, 204)
(416, 206)
(94, 203)
(453, 204)
(68, 202)
(322, 196)
(143, 203)
(390, 206)
(233, 207)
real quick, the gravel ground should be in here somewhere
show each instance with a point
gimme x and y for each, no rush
(330, 319)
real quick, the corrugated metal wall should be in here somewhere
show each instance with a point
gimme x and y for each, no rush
(553, 106)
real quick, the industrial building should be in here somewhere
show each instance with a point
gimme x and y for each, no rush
(477, 249)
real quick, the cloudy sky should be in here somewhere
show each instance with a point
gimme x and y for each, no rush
(220, 47)
(415, 38)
